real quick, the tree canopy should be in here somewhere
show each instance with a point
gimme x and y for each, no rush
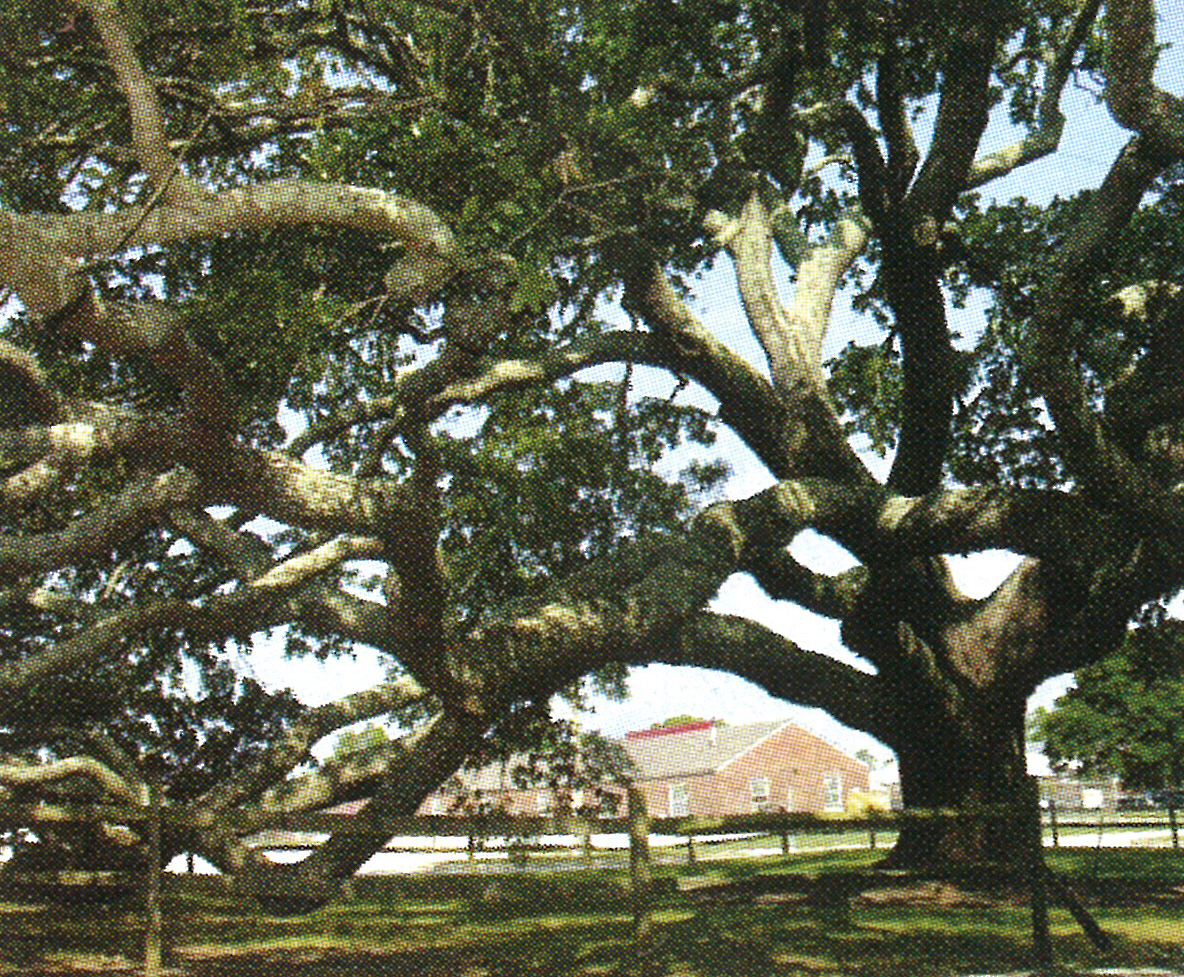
(396, 226)
(1122, 718)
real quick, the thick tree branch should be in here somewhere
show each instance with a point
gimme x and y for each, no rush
(26, 395)
(784, 578)
(16, 774)
(428, 757)
(752, 651)
(910, 276)
(792, 338)
(894, 124)
(1104, 468)
(910, 272)
(431, 248)
(292, 748)
(155, 330)
(245, 554)
(140, 504)
(962, 115)
(148, 132)
(1134, 100)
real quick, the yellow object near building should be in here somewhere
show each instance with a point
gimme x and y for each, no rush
(861, 802)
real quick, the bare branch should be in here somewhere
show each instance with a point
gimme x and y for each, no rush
(431, 249)
(244, 553)
(1050, 123)
(95, 741)
(296, 570)
(417, 765)
(784, 578)
(782, 668)
(792, 338)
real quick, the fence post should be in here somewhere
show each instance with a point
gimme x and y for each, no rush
(785, 835)
(1041, 936)
(640, 872)
(690, 849)
(1172, 822)
(1052, 819)
(152, 920)
(585, 826)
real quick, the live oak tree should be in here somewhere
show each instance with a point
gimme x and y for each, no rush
(401, 222)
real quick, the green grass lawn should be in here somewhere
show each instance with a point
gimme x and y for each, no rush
(580, 923)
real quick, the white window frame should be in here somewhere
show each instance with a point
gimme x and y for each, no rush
(832, 791)
(437, 806)
(678, 801)
(542, 802)
(760, 790)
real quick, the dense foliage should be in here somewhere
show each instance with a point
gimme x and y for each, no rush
(1122, 718)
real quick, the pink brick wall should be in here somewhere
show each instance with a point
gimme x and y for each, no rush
(795, 762)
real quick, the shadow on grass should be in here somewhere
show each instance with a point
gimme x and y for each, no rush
(580, 924)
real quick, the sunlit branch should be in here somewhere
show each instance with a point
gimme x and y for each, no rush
(147, 122)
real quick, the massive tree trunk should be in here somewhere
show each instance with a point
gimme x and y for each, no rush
(966, 764)
(955, 675)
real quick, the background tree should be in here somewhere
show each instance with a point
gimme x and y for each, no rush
(398, 223)
(1123, 716)
(682, 719)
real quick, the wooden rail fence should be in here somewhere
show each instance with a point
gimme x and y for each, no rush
(156, 819)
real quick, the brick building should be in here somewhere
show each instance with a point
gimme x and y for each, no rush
(698, 769)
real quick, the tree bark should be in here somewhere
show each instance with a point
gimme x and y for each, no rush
(961, 767)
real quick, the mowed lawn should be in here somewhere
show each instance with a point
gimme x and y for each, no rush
(580, 923)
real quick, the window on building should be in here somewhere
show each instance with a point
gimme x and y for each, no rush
(758, 788)
(542, 801)
(437, 807)
(832, 792)
(678, 801)
(577, 799)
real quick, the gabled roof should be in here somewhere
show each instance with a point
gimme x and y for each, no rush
(695, 749)
(681, 751)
